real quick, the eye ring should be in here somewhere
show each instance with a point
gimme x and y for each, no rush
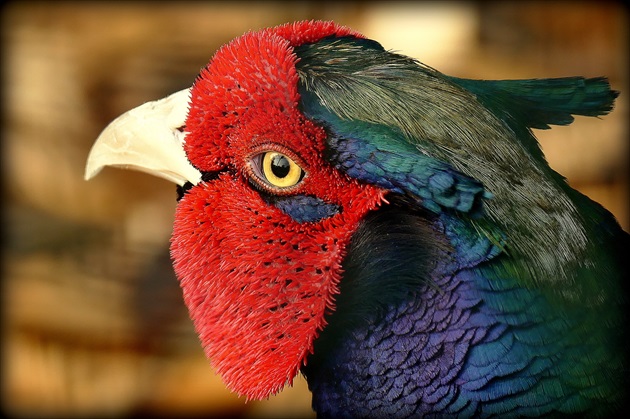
(276, 171)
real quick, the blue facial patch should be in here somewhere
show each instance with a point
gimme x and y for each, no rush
(304, 208)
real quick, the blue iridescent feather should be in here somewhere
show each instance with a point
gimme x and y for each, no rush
(487, 286)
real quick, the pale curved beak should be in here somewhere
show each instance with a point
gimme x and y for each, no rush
(148, 138)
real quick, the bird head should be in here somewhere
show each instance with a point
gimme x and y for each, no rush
(263, 220)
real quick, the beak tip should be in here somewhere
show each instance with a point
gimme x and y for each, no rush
(148, 139)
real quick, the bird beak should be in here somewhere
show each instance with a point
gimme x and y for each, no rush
(148, 138)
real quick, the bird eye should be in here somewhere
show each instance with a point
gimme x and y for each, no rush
(277, 170)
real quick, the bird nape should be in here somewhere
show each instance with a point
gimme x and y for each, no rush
(391, 232)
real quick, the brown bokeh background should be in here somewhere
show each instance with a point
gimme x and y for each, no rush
(93, 322)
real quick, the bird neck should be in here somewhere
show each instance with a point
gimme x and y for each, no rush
(398, 287)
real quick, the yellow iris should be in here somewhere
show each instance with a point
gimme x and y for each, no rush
(279, 170)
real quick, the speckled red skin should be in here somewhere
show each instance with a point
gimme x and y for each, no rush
(256, 282)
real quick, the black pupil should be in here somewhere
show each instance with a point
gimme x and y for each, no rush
(280, 166)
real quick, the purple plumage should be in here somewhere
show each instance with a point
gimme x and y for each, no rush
(467, 342)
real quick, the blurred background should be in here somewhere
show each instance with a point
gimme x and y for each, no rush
(93, 320)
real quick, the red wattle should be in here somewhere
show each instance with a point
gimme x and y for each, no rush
(257, 284)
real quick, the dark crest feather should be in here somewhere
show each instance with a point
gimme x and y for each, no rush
(476, 129)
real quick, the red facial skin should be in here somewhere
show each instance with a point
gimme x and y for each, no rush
(256, 282)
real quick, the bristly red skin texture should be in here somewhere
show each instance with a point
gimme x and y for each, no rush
(256, 282)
